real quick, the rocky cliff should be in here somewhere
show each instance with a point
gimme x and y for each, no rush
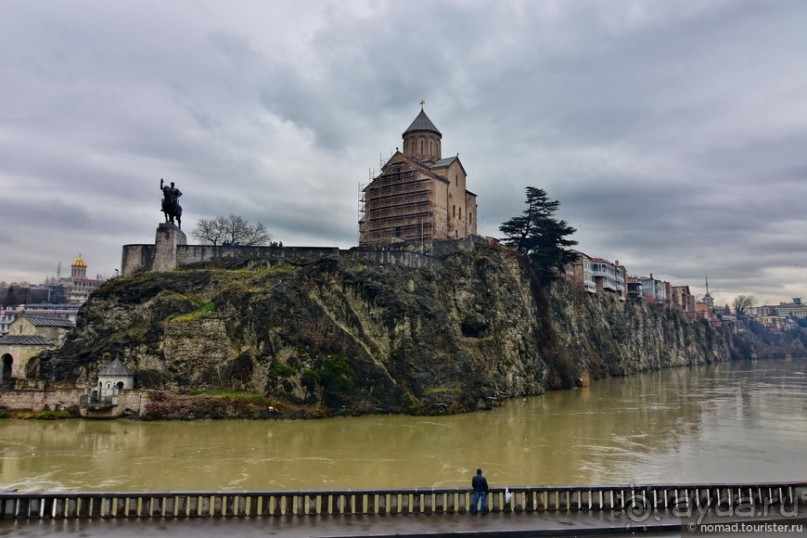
(352, 335)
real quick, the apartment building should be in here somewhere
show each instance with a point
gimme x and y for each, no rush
(598, 276)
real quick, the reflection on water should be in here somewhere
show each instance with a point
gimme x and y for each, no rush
(741, 421)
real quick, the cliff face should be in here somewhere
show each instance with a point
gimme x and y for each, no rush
(609, 338)
(373, 337)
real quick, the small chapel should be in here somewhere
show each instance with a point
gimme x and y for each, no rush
(419, 196)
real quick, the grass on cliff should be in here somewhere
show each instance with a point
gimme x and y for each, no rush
(226, 393)
(201, 309)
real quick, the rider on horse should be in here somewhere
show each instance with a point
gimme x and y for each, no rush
(171, 207)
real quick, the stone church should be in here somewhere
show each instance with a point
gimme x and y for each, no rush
(419, 196)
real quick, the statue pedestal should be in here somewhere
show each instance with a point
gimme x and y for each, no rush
(165, 246)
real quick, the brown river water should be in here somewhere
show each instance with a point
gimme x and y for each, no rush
(742, 421)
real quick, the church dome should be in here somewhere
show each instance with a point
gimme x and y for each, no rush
(422, 123)
(79, 262)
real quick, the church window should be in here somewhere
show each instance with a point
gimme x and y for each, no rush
(453, 211)
(456, 179)
(460, 212)
(421, 146)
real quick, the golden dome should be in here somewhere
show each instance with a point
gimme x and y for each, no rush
(79, 262)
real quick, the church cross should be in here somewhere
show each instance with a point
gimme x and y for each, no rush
(422, 102)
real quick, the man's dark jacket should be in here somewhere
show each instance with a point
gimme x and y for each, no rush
(479, 483)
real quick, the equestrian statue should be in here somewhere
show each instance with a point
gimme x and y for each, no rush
(171, 208)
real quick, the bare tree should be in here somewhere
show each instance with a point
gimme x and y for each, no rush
(742, 304)
(231, 230)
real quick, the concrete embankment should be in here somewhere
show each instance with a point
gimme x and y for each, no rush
(528, 511)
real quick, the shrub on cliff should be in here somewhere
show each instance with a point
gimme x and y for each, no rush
(330, 381)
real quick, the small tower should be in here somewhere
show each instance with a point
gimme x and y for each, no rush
(114, 378)
(422, 139)
(707, 299)
(78, 269)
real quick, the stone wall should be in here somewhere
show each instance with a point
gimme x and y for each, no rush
(194, 254)
(37, 400)
(136, 258)
(394, 257)
(169, 252)
(126, 402)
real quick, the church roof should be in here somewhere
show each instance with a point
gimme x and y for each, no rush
(49, 320)
(422, 123)
(445, 162)
(79, 262)
(116, 368)
(23, 340)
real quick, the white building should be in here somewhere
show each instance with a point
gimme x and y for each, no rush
(114, 378)
(655, 290)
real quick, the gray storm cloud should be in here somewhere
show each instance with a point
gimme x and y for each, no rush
(672, 132)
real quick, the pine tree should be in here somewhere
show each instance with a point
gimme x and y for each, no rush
(540, 236)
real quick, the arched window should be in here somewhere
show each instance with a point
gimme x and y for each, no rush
(460, 212)
(453, 211)
(8, 362)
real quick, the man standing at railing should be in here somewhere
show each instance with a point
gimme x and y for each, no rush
(480, 485)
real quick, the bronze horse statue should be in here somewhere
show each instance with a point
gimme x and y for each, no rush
(171, 208)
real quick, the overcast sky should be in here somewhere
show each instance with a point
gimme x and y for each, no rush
(673, 133)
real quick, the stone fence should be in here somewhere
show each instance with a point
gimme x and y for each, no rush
(36, 400)
(170, 251)
(778, 499)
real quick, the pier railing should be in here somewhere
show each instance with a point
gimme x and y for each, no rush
(639, 500)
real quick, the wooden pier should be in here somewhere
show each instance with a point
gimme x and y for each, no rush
(636, 501)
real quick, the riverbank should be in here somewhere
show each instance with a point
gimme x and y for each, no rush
(144, 404)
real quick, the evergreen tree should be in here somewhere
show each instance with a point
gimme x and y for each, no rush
(540, 236)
